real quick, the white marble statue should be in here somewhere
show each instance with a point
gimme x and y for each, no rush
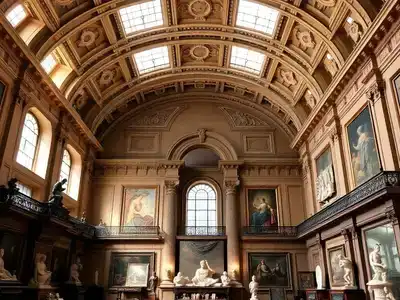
(203, 276)
(4, 274)
(42, 276)
(96, 277)
(225, 279)
(253, 287)
(318, 277)
(375, 259)
(74, 272)
(180, 280)
(347, 265)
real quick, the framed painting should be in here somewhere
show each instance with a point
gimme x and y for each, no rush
(396, 85)
(272, 270)
(363, 151)
(140, 206)
(130, 269)
(262, 207)
(307, 280)
(2, 92)
(336, 273)
(325, 183)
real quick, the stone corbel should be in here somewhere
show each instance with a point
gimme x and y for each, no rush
(230, 168)
(375, 92)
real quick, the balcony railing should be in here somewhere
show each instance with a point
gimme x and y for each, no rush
(271, 231)
(203, 230)
(127, 232)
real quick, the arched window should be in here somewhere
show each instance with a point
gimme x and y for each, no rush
(29, 141)
(65, 167)
(201, 209)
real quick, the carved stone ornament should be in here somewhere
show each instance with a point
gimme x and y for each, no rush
(202, 135)
(170, 186)
(310, 100)
(331, 66)
(241, 119)
(288, 77)
(200, 9)
(328, 3)
(305, 38)
(81, 99)
(354, 31)
(64, 2)
(107, 77)
(199, 52)
(87, 38)
(155, 119)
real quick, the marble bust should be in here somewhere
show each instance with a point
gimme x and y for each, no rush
(253, 287)
(180, 280)
(225, 279)
(203, 276)
(4, 274)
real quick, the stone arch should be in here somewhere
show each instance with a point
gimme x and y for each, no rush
(205, 139)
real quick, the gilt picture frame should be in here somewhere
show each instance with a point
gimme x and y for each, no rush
(335, 273)
(262, 207)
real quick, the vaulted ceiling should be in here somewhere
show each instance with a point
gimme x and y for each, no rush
(109, 57)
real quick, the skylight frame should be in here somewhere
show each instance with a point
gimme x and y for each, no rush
(153, 59)
(17, 15)
(49, 63)
(257, 21)
(141, 16)
(247, 60)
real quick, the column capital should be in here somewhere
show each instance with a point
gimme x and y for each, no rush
(375, 91)
(230, 186)
(171, 186)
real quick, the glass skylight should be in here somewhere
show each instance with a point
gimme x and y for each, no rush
(141, 16)
(248, 60)
(49, 63)
(16, 15)
(256, 16)
(152, 59)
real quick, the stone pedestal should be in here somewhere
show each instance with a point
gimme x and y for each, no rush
(382, 290)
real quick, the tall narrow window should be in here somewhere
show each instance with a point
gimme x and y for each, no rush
(65, 167)
(17, 15)
(201, 212)
(29, 142)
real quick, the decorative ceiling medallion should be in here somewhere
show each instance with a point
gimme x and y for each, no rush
(64, 2)
(328, 3)
(200, 9)
(87, 38)
(305, 39)
(199, 52)
(288, 77)
(354, 31)
(309, 99)
(107, 77)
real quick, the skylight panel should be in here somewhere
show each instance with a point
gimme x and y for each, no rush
(256, 16)
(49, 63)
(16, 15)
(247, 60)
(141, 16)
(152, 59)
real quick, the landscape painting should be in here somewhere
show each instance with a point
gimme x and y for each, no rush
(271, 269)
(139, 206)
(262, 207)
(130, 269)
(364, 154)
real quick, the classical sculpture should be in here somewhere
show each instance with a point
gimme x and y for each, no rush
(83, 217)
(12, 186)
(4, 274)
(96, 277)
(253, 287)
(347, 265)
(225, 279)
(57, 197)
(41, 276)
(153, 282)
(203, 276)
(180, 280)
(375, 259)
(101, 223)
(74, 274)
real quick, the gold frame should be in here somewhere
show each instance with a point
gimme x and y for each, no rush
(328, 251)
(156, 204)
(277, 197)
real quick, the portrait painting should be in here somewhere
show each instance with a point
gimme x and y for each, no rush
(271, 269)
(130, 269)
(336, 272)
(363, 151)
(262, 207)
(325, 183)
(137, 275)
(139, 206)
(307, 280)
(192, 252)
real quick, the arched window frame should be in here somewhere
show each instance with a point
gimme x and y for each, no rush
(211, 226)
(23, 140)
(75, 172)
(65, 169)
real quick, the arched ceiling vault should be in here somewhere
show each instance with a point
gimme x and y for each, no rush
(96, 56)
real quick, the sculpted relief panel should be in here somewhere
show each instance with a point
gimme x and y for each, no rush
(198, 11)
(243, 120)
(200, 54)
(159, 119)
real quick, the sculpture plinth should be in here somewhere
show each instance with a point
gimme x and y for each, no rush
(381, 290)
